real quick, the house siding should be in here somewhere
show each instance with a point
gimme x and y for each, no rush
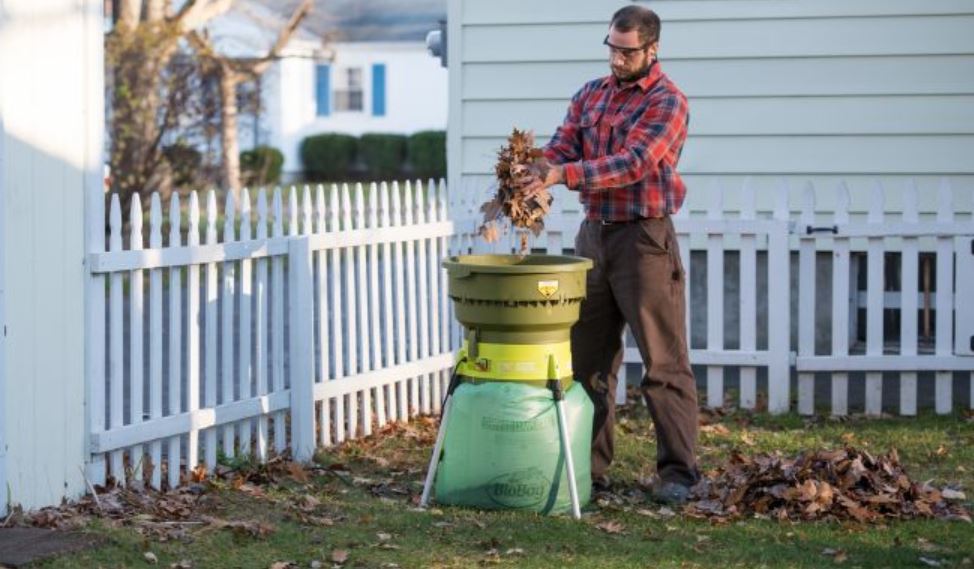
(789, 91)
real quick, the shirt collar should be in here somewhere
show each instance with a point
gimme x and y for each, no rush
(647, 81)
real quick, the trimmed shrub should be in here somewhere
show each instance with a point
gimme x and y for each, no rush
(261, 166)
(328, 157)
(184, 162)
(427, 153)
(382, 154)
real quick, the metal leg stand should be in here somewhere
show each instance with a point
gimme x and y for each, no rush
(566, 445)
(440, 435)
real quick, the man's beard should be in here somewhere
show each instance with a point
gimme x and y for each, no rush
(635, 75)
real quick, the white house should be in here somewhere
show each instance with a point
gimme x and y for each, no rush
(795, 90)
(377, 78)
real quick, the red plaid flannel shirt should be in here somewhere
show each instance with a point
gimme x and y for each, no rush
(620, 146)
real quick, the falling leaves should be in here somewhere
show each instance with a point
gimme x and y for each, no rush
(845, 484)
(519, 164)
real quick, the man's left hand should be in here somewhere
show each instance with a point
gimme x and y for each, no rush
(556, 175)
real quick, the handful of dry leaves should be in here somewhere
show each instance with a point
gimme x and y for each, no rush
(519, 163)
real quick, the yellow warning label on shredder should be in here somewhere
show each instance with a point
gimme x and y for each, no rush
(547, 288)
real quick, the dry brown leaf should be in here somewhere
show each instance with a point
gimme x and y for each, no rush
(339, 556)
(611, 527)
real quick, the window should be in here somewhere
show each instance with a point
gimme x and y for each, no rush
(348, 93)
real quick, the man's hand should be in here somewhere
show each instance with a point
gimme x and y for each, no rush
(556, 175)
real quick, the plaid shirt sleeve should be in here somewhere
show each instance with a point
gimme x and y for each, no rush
(566, 144)
(661, 128)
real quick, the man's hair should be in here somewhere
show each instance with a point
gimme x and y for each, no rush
(643, 20)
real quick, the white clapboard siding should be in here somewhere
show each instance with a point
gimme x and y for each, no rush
(789, 89)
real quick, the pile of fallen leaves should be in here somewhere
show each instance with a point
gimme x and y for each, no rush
(519, 164)
(845, 484)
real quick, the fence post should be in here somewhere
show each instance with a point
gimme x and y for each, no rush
(779, 308)
(300, 338)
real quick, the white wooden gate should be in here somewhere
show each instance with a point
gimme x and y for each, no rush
(928, 253)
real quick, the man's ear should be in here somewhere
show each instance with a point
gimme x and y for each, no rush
(654, 50)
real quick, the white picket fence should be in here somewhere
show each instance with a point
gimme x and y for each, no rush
(305, 328)
(307, 325)
(790, 237)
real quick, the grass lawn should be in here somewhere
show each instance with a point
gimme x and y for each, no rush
(360, 512)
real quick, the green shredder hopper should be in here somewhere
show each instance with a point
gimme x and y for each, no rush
(515, 432)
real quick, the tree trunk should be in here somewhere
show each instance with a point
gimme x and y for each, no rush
(230, 146)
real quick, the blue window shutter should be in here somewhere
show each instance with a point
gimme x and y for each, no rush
(323, 89)
(379, 90)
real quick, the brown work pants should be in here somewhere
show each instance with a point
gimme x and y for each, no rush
(638, 280)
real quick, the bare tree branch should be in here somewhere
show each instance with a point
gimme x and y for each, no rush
(283, 37)
(195, 13)
(155, 10)
(129, 14)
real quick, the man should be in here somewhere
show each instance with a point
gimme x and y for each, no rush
(618, 148)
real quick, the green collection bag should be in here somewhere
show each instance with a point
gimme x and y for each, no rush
(502, 448)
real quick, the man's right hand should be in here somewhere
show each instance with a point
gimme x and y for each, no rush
(555, 175)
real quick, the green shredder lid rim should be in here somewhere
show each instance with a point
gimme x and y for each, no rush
(517, 264)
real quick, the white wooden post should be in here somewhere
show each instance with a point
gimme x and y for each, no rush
(277, 322)
(116, 355)
(375, 309)
(338, 334)
(155, 339)
(945, 298)
(364, 397)
(840, 303)
(749, 298)
(422, 296)
(261, 323)
(909, 289)
(400, 317)
(411, 297)
(245, 318)
(779, 308)
(136, 316)
(806, 300)
(353, 363)
(446, 307)
(210, 377)
(175, 365)
(433, 274)
(874, 302)
(193, 329)
(300, 341)
(324, 338)
(95, 373)
(715, 301)
(387, 314)
(683, 238)
(227, 309)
